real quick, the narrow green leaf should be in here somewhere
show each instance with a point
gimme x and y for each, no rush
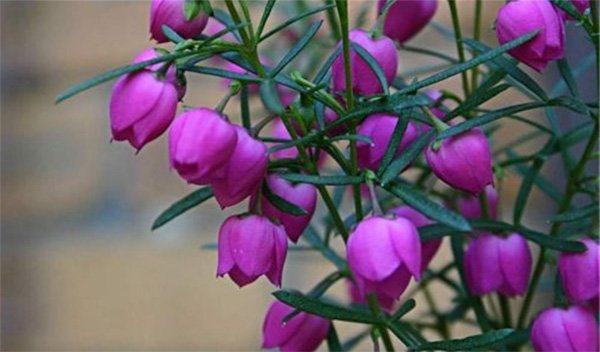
(525, 189)
(294, 20)
(245, 108)
(192, 9)
(407, 157)
(581, 67)
(280, 203)
(393, 144)
(333, 341)
(477, 99)
(399, 330)
(297, 48)
(352, 342)
(265, 16)
(540, 181)
(219, 72)
(322, 73)
(404, 309)
(469, 343)
(311, 236)
(171, 34)
(351, 137)
(325, 310)
(457, 69)
(567, 75)
(181, 206)
(270, 97)
(429, 208)
(323, 180)
(576, 214)
(512, 70)
(573, 104)
(373, 65)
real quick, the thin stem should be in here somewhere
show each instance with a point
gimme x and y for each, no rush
(505, 308)
(459, 43)
(385, 336)
(237, 19)
(476, 36)
(376, 207)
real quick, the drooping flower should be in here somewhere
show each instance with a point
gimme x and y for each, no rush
(251, 246)
(303, 332)
(364, 80)
(573, 329)
(406, 18)
(172, 14)
(579, 273)
(520, 17)
(497, 264)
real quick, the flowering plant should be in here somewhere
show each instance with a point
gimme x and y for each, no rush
(422, 165)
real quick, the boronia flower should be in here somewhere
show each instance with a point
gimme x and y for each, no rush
(463, 161)
(497, 264)
(579, 273)
(251, 246)
(520, 17)
(573, 329)
(364, 80)
(172, 14)
(380, 129)
(382, 254)
(201, 142)
(303, 332)
(302, 194)
(244, 171)
(406, 18)
(143, 103)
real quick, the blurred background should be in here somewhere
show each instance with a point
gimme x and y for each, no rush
(81, 269)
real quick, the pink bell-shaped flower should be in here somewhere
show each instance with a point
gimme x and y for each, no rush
(172, 14)
(382, 254)
(143, 103)
(406, 18)
(244, 171)
(380, 128)
(201, 142)
(470, 206)
(386, 302)
(573, 329)
(520, 17)
(364, 80)
(463, 161)
(579, 273)
(303, 332)
(251, 246)
(497, 264)
(302, 194)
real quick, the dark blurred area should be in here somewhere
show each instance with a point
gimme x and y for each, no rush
(81, 269)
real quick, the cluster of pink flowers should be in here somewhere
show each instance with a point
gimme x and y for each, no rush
(383, 252)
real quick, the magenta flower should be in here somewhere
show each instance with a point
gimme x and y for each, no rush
(497, 264)
(142, 104)
(380, 128)
(428, 248)
(200, 144)
(278, 130)
(385, 302)
(580, 5)
(303, 332)
(464, 161)
(579, 273)
(573, 329)
(364, 80)
(520, 17)
(435, 95)
(251, 246)
(382, 254)
(406, 18)
(470, 206)
(171, 13)
(244, 171)
(302, 194)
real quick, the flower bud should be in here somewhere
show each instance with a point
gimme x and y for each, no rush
(428, 248)
(142, 104)
(200, 144)
(172, 14)
(380, 128)
(464, 161)
(573, 329)
(244, 171)
(251, 246)
(302, 194)
(303, 332)
(382, 253)
(579, 272)
(496, 264)
(520, 17)
(364, 80)
(406, 18)
(470, 205)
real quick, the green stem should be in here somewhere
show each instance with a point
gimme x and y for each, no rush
(385, 336)
(237, 19)
(476, 36)
(459, 44)
(571, 190)
(505, 308)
